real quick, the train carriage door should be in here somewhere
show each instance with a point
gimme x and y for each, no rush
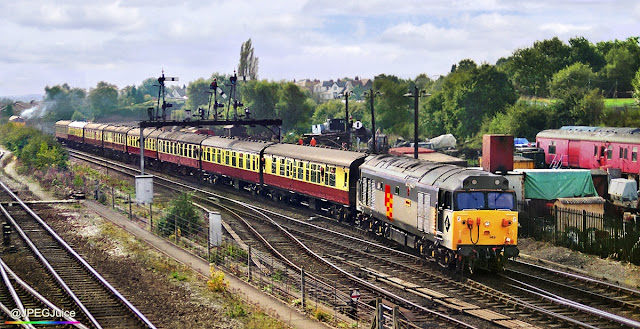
(423, 206)
(574, 154)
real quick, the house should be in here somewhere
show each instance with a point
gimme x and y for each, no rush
(327, 90)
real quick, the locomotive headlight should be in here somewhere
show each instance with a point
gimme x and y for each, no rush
(487, 223)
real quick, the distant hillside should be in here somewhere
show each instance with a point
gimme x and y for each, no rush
(24, 98)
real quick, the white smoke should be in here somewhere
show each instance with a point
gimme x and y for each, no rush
(34, 112)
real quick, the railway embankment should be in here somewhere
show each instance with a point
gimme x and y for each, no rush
(157, 275)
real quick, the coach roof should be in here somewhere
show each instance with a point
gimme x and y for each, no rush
(314, 154)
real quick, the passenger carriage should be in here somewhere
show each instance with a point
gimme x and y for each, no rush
(592, 148)
(181, 151)
(62, 130)
(150, 142)
(93, 133)
(76, 132)
(326, 175)
(236, 160)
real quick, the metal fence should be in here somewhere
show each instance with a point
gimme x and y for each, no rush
(593, 233)
(326, 301)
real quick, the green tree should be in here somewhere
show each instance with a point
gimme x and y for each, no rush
(432, 119)
(570, 86)
(7, 112)
(295, 108)
(583, 51)
(261, 97)
(521, 119)
(103, 99)
(636, 86)
(182, 215)
(62, 101)
(248, 66)
(328, 110)
(149, 86)
(530, 69)
(197, 95)
(471, 97)
(621, 67)
(393, 114)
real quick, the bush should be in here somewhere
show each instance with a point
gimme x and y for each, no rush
(182, 216)
(217, 282)
(33, 148)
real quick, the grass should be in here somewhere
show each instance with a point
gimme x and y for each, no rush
(620, 102)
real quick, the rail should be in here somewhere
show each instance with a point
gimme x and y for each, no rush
(76, 256)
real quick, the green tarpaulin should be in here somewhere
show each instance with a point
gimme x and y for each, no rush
(553, 184)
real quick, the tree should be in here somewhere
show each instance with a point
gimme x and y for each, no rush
(149, 87)
(570, 86)
(61, 101)
(103, 99)
(521, 120)
(248, 66)
(636, 87)
(261, 98)
(572, 82)
(585, 52)
(531, 68)
(182, 216)
(294, 108)
(471, 97)
(7, 112)
(393, 114)
(198, 95)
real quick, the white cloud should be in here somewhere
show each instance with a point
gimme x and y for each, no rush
(124, 42)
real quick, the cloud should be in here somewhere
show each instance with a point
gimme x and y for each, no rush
(88, 15)
(565, 29)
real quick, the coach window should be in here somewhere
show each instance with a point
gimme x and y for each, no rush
(621, 153)
(626, 153)
(307, 178)
(226, 157)
(219, 156)
(240, 160)
(602, 151)
(634, 154)
(313, 173)
(609, 152)
(552, 147)
(332, 176)
(274, 163)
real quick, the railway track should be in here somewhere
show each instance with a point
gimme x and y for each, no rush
(56, 271)
(404, 278)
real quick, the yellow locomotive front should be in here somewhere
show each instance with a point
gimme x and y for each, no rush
(480, 228)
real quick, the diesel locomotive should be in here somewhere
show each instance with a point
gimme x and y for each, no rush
(462, 218)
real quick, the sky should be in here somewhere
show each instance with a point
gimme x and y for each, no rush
(79, 42)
